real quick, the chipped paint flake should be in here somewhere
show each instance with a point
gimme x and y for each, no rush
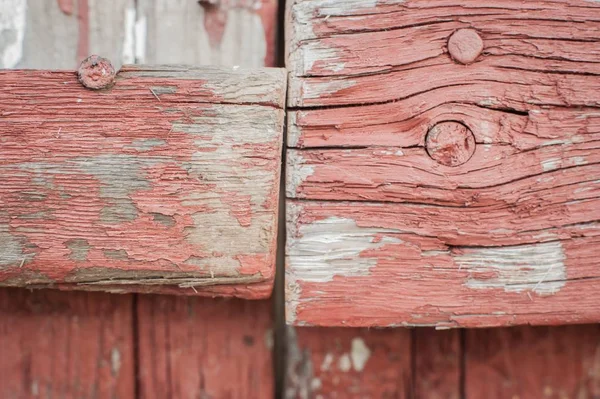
(533, 267)
(359, 354)
(297, 172)
(12, 32)
(115, 361)
(345, 363)
(327, 360)
(550, 164)
(330, 247)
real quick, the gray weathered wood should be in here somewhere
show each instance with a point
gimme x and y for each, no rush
(58, 34)
(206, 32)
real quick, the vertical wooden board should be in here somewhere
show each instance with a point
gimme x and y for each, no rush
(202, 348)
(58, 34)
(67, 345)
(533, 362)
(348, 363)
(206, 32)
(437, 364)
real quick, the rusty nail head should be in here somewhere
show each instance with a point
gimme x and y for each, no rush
(465, 45)
(96, 73)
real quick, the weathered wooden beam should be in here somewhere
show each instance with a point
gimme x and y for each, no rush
(165, 182)
(443, 164)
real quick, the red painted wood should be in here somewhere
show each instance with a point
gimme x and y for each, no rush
(349, 363)
(527, 362)
(143, 185)
(203, 348)
(68, 345)
(442, 167)
(437, 368)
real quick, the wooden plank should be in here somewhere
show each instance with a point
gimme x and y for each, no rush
(193, 347)
(170, 178)
(348, 363)
(527, 362)
(437, 369)
(71, 345)
(207, 32)
(445, 154)
(58, 34)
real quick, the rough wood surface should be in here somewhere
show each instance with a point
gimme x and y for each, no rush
(206, 32)
(58, 34)
(170, 178)
(65, 345)
(527, 362)
(392, 220)
(348, 363)
(205, 348)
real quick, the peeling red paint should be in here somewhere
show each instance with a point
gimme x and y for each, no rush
(126, 191)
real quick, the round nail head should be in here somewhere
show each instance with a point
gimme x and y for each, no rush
(450, 143)
(465, 45)
(96, 73)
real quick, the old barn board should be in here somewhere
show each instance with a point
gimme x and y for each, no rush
(168, 181)
(66, 345)
(443, 162)
(193, 347)
(532, 362)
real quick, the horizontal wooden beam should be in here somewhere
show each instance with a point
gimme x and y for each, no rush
(166, 181)
(443, 164)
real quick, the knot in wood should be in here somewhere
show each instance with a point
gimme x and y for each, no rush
(465, 45)
(450, 143)
(96, 73)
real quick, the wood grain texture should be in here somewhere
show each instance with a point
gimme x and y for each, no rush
(380, 231)
(527, 362)
(223, 32)
(170, 179)
(204, 348)
(58, 34)
(348, 363)
(67, 345)
(437, 368)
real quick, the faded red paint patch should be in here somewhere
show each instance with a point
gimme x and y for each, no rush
(83, 42)
(66, 6)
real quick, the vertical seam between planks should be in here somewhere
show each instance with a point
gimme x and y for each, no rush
(279, 328)
(135, 332)
(413, 363)
(463, 363)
